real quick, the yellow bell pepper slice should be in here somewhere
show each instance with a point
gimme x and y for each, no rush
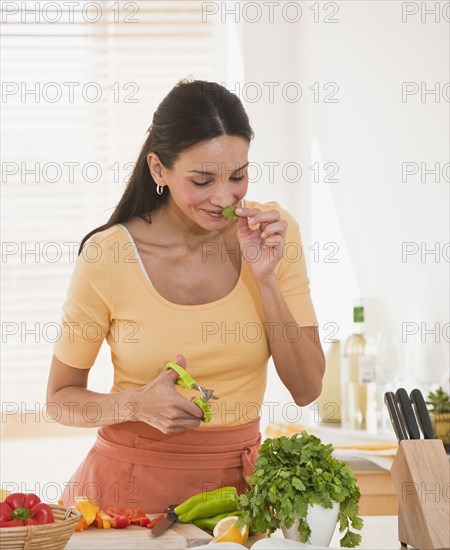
(88, 510)
(103, 521)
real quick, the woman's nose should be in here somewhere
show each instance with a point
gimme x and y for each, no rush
(223, 195)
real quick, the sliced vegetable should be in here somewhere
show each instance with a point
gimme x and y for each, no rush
(229, 212)
(88, 510)
(133, 514)
(120, 517)
(117, 518)
(102, 521)
(81, 525)
(120, 522)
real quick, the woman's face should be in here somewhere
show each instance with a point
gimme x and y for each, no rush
(208, 177)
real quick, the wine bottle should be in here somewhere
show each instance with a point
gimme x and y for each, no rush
(359, 399)
(329, 401)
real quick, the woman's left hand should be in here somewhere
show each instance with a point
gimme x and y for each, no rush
(262, 247)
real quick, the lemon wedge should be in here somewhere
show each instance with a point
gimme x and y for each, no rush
(226, 530)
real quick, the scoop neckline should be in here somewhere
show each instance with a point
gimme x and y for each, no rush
(139, 265)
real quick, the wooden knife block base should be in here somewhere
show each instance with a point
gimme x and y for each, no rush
(421, 474)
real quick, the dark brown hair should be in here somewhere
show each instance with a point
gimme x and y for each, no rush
(192, 112)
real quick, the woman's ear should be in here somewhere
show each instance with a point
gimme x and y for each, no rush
(156, 168)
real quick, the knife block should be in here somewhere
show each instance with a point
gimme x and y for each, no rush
(421, 474)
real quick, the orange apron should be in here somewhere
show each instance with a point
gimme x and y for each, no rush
(133, 464)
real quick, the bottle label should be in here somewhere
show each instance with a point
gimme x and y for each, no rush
(358, 314)
(366, 371)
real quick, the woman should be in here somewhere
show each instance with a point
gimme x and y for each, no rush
(167, 279)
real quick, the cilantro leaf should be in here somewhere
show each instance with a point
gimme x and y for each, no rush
(292, 473)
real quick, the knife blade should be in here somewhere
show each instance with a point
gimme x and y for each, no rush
(164, 523)
(408, 413)
(391, 404)
(423, 417)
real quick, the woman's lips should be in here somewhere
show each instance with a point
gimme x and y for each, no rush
(216, 214)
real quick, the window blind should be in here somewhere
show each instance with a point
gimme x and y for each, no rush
(80, 83)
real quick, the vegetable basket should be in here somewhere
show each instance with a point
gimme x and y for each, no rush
(51, 536)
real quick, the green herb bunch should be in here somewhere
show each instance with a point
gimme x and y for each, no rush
(293, 472)
(439, 400)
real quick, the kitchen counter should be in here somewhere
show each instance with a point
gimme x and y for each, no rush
(379, 532)
(178, 537)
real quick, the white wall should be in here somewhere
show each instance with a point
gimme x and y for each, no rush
(370, 212)
(370, 134)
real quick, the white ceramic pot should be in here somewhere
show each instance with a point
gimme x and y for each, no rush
(322, 522)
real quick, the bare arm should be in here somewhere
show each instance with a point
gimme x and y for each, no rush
(69, 402)
(297, 352)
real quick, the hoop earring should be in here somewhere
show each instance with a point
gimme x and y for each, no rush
(159, 189)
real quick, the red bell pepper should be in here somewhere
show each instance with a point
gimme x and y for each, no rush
(143, 522)
(25, 500)
(5, 512)
(135, 516)
(119, 522)
(7, 519)
(12, 523)
(20, 509)
(40, 515)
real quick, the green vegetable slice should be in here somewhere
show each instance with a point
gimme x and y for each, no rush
(228, 212)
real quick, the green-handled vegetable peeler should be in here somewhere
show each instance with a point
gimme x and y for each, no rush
(185, 380)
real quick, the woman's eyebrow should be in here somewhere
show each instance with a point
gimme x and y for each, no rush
(241, 167)
(213, 173)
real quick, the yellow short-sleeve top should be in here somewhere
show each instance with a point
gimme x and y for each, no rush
(226, 343)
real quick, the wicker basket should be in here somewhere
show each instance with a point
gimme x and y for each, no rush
(51, 536)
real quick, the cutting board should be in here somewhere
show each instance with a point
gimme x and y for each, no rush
(178, 536)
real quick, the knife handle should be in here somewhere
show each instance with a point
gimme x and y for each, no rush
(422, 414)
(408, 413)
(391, 404)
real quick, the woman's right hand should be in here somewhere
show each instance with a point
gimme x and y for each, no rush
(160, 405)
